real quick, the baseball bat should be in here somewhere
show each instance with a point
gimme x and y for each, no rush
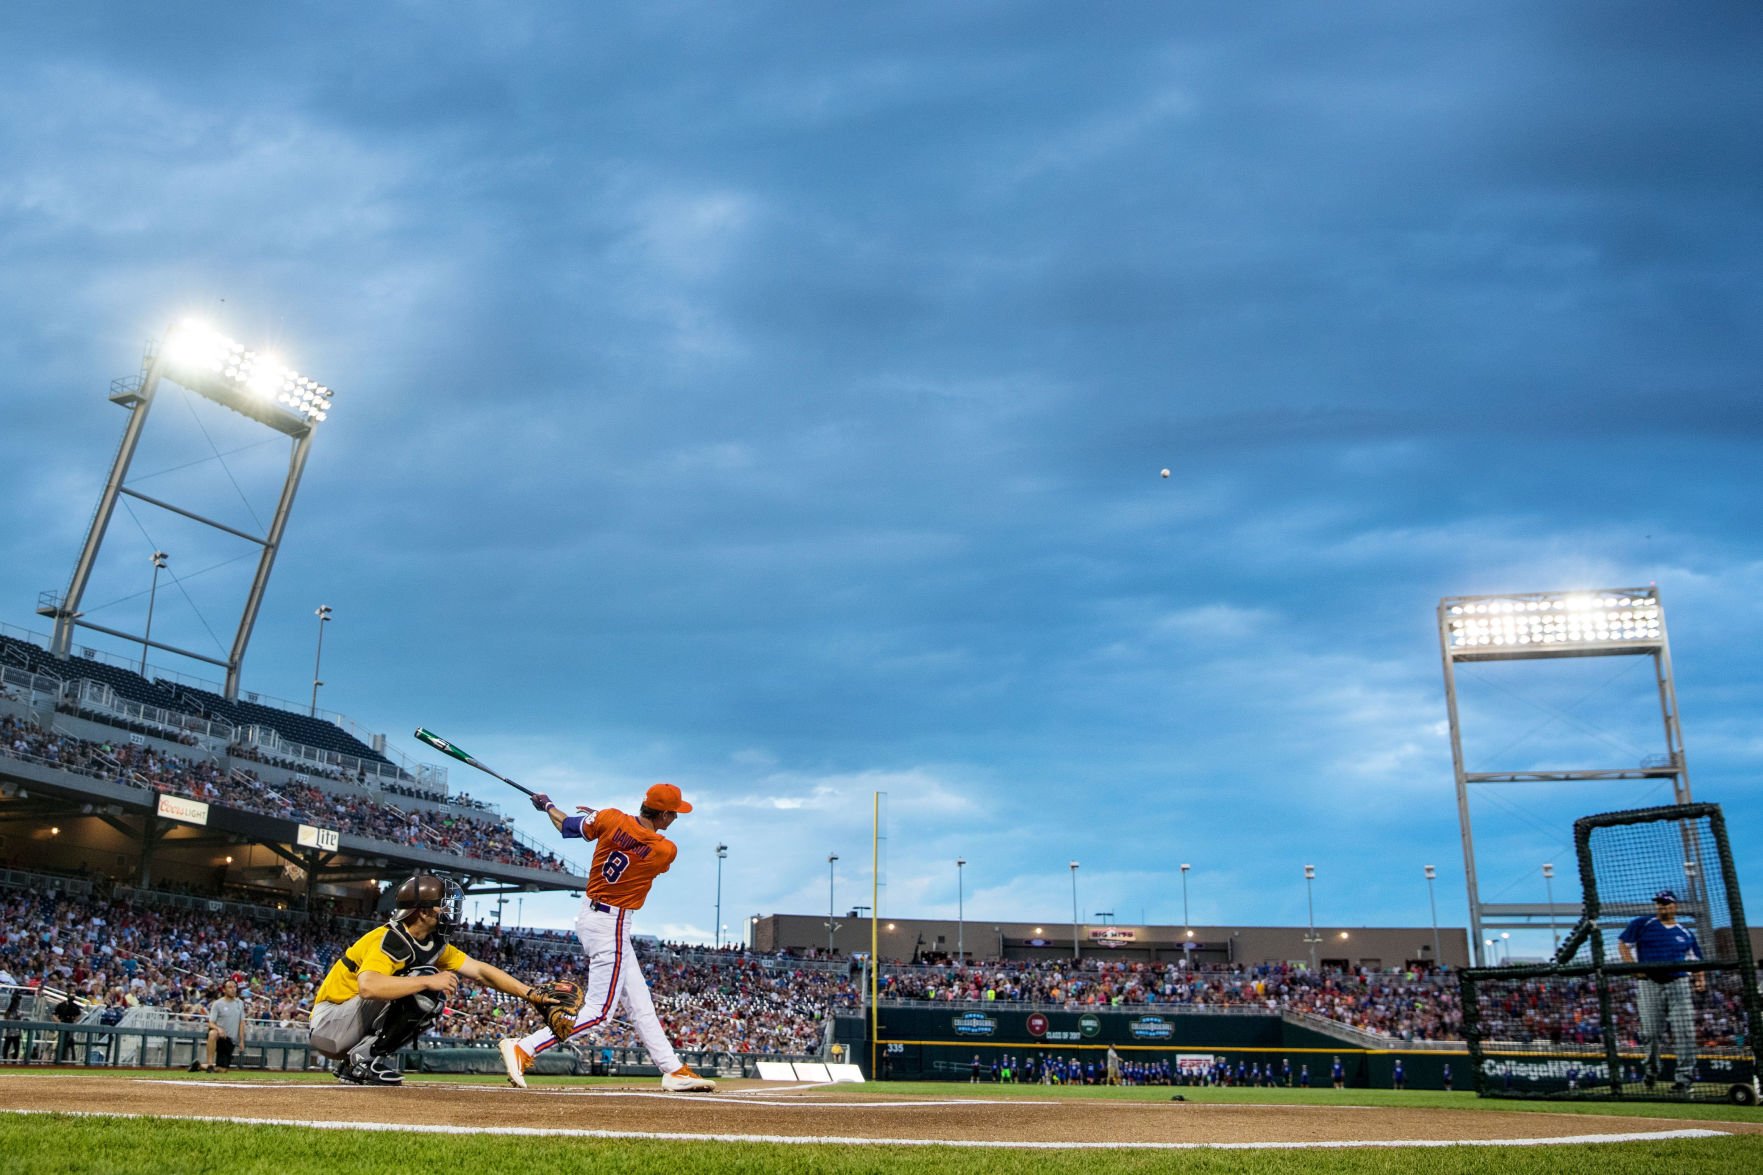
(446, 748)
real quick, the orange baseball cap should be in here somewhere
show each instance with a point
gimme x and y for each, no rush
(665, 797)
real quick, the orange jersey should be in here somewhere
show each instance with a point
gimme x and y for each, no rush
(627, 859)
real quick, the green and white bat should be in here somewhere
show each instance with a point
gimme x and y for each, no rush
(446, 748)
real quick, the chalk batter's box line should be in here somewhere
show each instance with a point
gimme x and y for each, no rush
(865, 1140)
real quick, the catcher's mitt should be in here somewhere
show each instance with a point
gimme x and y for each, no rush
(557, 1000)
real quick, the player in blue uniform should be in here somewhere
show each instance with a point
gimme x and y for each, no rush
(1663, 995)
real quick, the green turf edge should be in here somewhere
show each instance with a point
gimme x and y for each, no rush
(72, 1145)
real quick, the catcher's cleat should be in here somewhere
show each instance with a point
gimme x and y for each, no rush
(381, 1071)
(683, 1080)
(514, 1059)
(348, 1073)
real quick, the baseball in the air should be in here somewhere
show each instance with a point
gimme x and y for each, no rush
(1166, 473)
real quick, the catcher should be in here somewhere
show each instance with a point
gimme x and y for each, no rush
(391, 983)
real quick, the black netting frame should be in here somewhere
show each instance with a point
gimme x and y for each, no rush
(1568, 1028)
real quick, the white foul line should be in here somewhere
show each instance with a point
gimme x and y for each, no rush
(838, 1140)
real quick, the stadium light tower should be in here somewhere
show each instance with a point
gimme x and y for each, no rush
(1076, 942)
(1549, 889)
(721, 856)
(832, 928)
(1531, 626)
(1186, 925)
(324, 617)
(256, 386)
(159, 558)
(960, 912)
(1432, 900)
(1310, 893)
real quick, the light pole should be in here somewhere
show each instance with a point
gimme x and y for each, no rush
(831, 926)
(1310, 891)
(1506, 946)
(1076, 943)
(1549, 887)
(1185, 923)
(960, 912)
(159, 558)
(324, 618)
(721, 856)
(1433, 901)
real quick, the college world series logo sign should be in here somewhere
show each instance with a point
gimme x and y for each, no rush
(1150, 1028)
(975, 1024)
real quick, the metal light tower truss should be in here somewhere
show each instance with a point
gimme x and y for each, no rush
(255, 386)
(1542, 626)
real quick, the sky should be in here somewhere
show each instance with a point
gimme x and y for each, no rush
(772, 398)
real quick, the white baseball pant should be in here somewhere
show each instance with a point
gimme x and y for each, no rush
(1668, 1004)
(614, 981)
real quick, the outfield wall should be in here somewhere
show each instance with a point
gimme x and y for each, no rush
(932, 1044)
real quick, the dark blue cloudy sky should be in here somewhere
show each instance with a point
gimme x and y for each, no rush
(771, 398)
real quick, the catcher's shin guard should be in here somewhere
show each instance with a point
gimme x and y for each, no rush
(402, 1020)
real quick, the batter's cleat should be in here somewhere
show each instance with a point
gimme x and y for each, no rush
(514, 1059)
(683, 1080)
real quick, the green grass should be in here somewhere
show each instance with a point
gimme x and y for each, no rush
(1408, 1099)
(46, 1144)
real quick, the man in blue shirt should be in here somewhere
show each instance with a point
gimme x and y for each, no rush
(1663, 995)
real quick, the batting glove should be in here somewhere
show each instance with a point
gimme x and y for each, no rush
(542, 802)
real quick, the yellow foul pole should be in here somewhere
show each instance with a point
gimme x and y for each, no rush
(874, 932)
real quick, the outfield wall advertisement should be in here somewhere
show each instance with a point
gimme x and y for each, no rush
(928, 1043)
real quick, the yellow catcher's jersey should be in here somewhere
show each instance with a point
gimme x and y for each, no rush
(627, 859)
(389, 950)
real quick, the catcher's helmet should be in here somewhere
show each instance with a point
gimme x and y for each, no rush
(426, 891)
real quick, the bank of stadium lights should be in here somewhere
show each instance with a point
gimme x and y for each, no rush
(196, 351)
(1560, 622)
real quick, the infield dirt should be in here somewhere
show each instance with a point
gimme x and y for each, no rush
(761, 1110)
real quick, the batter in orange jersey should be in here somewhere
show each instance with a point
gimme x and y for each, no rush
(630, 852)
(628, 856)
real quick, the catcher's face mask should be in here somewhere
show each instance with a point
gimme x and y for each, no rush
(427, 891)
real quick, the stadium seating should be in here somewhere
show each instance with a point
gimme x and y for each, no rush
(296, 728)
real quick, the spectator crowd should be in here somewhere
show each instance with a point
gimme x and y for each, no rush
(124, 954)
(1405, 1005)
(452, 832)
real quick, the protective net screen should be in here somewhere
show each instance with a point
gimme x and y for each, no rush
(1544, 1034)
(1654, 994)
(1633, 864)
